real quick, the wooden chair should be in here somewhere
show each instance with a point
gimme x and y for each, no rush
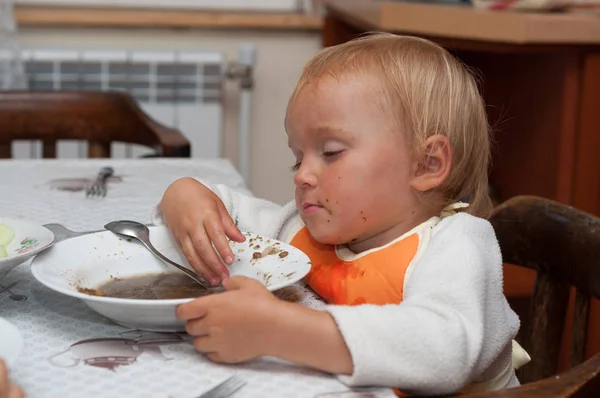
(563, 245)
(96, 117)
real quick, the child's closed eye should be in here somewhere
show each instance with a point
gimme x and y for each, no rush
(332, 154)
(328, 155)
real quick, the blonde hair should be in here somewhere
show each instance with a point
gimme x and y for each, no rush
(431, 93)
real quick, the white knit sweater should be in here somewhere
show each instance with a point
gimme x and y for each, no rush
(454, 329)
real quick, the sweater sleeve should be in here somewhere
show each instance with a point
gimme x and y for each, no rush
(451, 326)
(252, 214)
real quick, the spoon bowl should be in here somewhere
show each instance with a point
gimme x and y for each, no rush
(139, 231)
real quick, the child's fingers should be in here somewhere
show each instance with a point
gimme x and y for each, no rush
(203, 243)
(7, 389)
(3, 376)
(231, 230)
(196, 327)
(216, 234)
(203, 344)
(15, 391)
(203, 270)
(215, 357)
(240, 282)
(192, 310)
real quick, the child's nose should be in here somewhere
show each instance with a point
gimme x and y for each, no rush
(305, 176)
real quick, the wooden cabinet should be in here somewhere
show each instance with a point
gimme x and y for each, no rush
(541, 83)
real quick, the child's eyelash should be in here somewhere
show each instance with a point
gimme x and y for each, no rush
(329, 154)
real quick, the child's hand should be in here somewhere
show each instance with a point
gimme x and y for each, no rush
(198, 219)
(234, 326)
(8, 389)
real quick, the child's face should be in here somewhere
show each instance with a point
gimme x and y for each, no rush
(354, 170)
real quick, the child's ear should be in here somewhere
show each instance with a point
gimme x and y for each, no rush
(433, 164)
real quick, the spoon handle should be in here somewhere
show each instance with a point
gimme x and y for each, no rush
(190, 273)
(5, 288)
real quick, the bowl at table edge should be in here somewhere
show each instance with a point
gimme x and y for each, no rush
(89, 261)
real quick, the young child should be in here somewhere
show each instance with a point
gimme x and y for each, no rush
(8, 389)
(389, 135)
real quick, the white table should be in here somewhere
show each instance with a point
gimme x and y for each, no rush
(51, 323)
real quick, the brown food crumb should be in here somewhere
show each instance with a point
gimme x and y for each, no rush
(283, 254)
(269, 250)
(256, 247)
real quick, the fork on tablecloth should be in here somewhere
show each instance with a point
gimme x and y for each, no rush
(98, 188)
(225, 389)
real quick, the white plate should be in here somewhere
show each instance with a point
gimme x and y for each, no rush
(29, 240)
(11, 342)
(91, 260)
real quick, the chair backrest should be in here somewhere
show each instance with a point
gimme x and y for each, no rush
(99, 118)
(563, 245)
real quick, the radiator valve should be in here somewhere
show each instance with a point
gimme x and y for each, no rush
(244, 67)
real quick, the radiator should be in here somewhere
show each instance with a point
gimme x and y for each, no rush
(178, 89)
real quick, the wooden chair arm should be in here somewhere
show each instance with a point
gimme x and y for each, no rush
(173, 143)
(578, 382)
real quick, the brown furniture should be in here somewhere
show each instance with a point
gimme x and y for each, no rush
(582, 381)
(540, 79)
(541, 83)
(99, 118)
(36, 15)
(562, 244)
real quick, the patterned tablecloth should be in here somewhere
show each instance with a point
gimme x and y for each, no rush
(70, 350)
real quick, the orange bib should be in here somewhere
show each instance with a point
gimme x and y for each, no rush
(375, 277)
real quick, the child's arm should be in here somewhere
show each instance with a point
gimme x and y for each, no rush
(247, 322)
(248, 213)
(434, 340)
(452, 325)
(311, 338)
(200, 216)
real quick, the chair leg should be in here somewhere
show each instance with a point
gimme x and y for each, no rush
(49, 149)
(98, 150)
(5, 151)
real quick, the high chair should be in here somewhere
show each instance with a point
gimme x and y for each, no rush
(562, 244)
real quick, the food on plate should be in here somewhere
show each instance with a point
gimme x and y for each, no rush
(163, 286)
(7, 234)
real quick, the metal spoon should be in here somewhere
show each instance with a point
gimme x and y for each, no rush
(5, 288)
(140, 232)
(61, 232)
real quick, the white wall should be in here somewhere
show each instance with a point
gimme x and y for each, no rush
(281, 56)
